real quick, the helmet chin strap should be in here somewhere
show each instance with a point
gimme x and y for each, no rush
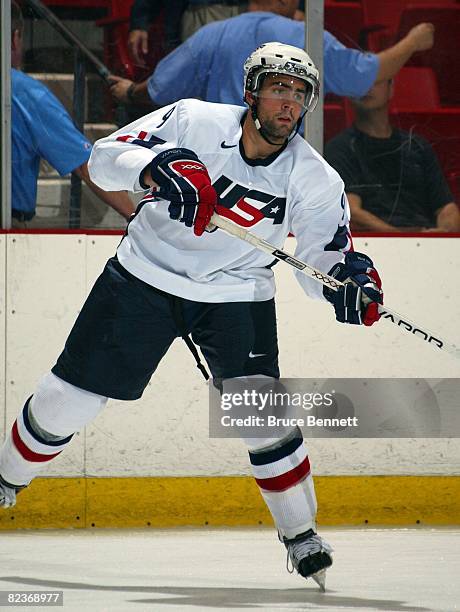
(263, 132)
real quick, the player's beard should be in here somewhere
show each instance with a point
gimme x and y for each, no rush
(275, 132)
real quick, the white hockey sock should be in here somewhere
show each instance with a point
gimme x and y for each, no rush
(45, 427)
(282, 471)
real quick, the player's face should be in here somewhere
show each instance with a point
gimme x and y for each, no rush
(281, 100)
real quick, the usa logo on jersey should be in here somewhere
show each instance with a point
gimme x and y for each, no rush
(246, 206)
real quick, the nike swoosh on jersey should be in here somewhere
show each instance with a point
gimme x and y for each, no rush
(226, 146)
(252, 355)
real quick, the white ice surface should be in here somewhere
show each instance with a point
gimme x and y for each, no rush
(232, 569)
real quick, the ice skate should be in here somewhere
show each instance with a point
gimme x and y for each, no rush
(7, 495)
(310, 555)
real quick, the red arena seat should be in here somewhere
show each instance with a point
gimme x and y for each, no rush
(415, 88)
(335, 119)
(116, 30)
(382, 19)
(444, 56)
(345, 20)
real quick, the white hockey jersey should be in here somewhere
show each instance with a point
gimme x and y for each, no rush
(294, 191)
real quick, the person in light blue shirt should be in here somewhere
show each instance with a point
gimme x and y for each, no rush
(208, 65)
(42, 128)
(182, 18)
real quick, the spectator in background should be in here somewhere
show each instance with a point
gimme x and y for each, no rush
(209, 64)
(393, 179)
(182, 19)
(143, 14)
(201, 12)
(42, 128)
(299, 15)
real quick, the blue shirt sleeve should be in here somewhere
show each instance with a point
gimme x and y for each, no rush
(347, 72)
(183, 73)
(56, 137)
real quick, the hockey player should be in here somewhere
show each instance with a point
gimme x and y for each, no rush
(172, 278)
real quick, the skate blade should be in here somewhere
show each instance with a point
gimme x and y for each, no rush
(320, 579)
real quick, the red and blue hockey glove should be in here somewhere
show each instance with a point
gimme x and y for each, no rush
(357, 302)
(185, 182)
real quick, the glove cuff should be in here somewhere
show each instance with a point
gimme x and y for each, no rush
(161, 162)
(355, 263)
(338, 272)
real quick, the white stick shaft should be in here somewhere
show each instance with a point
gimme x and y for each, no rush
(401, 322)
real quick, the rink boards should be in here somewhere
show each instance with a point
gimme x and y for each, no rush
(162, 439)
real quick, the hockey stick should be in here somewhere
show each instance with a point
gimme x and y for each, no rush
(386, 314)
